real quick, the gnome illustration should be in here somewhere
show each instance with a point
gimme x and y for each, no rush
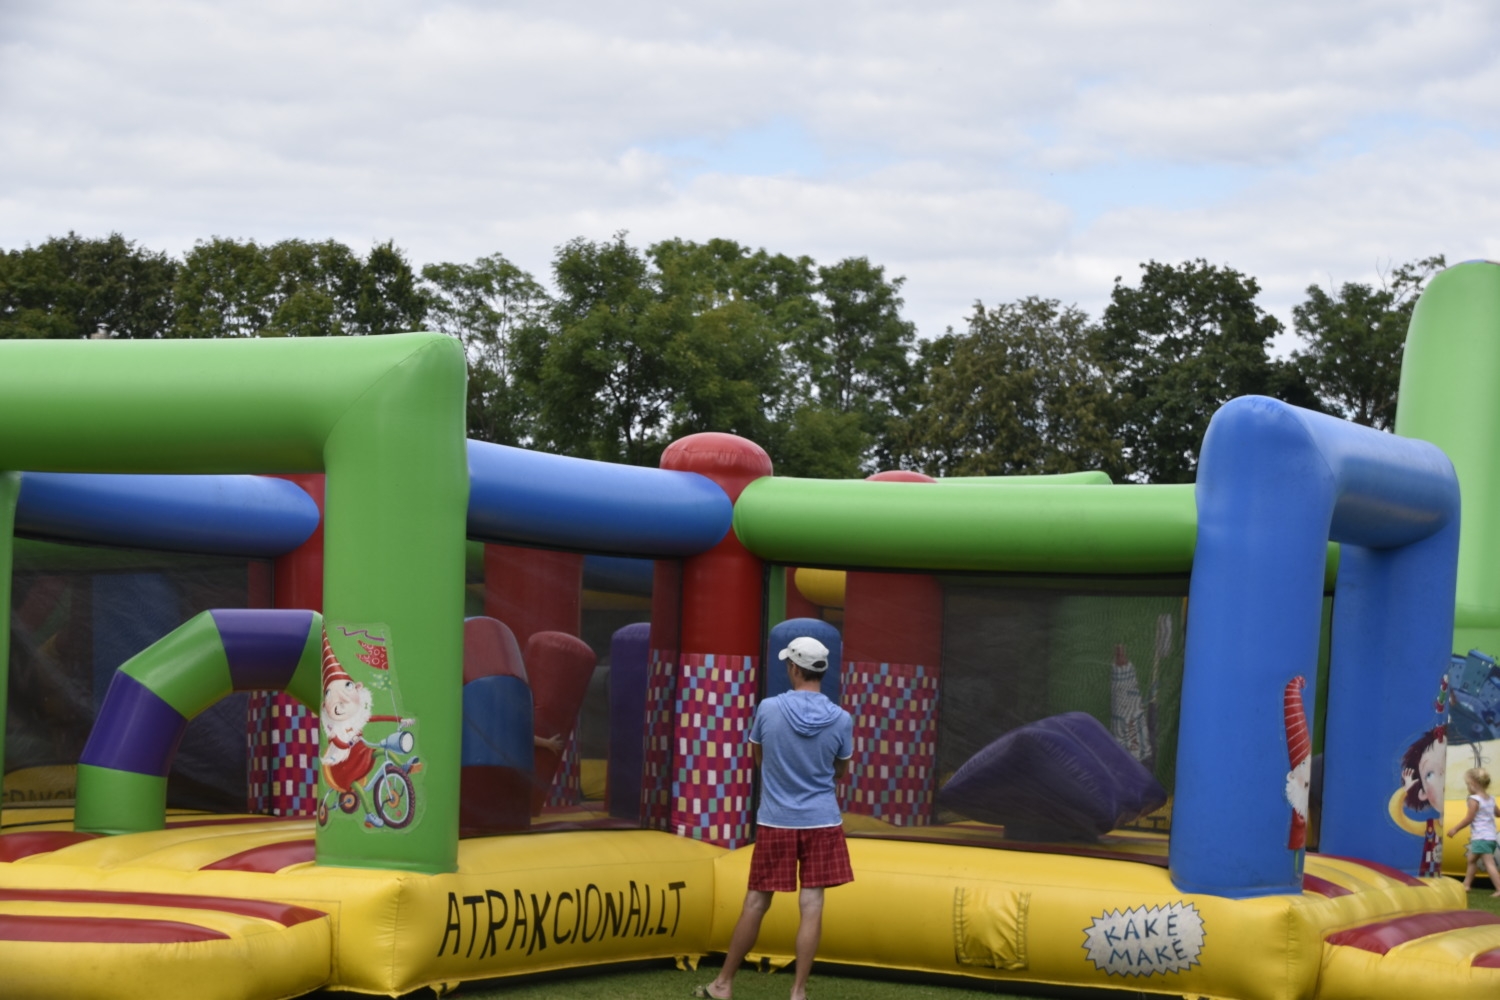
(1299, 752)
(347, 707)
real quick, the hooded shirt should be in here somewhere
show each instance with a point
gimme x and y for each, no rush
(800, 734)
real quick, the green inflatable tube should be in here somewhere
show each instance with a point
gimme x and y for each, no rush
(383, 417)
(993, 527)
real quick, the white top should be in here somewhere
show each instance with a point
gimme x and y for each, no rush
(1484, 818)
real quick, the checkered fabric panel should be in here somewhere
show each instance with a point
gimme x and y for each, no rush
(567, 784)
(714, 771)
(656, 765)
(283, 737)
(895, 741)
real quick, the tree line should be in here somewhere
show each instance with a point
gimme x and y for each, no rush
(632, 347)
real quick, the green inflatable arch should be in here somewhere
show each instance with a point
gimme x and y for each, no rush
(382, 416)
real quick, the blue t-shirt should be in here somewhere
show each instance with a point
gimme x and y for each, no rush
(800, 734)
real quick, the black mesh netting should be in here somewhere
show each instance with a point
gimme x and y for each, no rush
(77, 613)
(1014, 656)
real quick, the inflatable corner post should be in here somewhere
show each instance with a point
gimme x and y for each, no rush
(384, 418)
(1448, 397)
(718, 657)
(284, 762)
(1275, 485)
(893, 642)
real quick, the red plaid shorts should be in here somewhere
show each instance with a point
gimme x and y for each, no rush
(821, 852)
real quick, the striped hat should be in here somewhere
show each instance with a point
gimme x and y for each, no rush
(332, 669)
(1298, 740)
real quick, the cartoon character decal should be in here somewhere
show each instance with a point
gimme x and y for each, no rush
(1417, 806)
(1299, 753)
(1127, 712)
(364, 776)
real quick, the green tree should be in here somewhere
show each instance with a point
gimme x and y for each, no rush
(1183, 343)
(600, 375)
(1018, 393)
(815, 442)
(71, 287)
(224, 289)
(315, 288)
(294, 288)
(388, 299)
(859, 357)
(642, 348)
(1355, 342)
(729, 310)
(493, 308)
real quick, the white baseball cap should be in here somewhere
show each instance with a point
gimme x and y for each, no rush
(807, 653)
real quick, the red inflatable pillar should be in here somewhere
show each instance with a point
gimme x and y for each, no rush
(532, 591)
(893, 648)
(717, 668)
(283, 733)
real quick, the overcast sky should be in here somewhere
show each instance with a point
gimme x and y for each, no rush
(982, 149)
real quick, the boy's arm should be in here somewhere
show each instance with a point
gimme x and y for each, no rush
(846, 742)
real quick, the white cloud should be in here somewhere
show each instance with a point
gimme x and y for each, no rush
(982, 150)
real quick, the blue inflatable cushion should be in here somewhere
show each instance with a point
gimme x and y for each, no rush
(1059, 778)
(497, 723)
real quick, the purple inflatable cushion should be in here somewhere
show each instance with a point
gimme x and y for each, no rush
(1059, 778)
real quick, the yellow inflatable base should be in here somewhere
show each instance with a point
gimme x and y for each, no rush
(517, 904)
(232, 907)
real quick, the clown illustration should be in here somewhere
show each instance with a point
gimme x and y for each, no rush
(1299, 753)
(1417, 806)
(348, 708)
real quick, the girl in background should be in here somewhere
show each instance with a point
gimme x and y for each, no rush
(1481, 823)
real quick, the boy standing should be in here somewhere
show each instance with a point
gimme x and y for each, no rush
(802, 743)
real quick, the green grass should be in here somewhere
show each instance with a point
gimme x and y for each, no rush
(670, 983)
(1480, 898)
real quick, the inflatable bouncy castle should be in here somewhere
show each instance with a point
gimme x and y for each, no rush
(308, 692)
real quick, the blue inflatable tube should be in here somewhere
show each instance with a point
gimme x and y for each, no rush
(522, 497)
(516, 497)
(252, 516)
(618, 575)
(1275, 485)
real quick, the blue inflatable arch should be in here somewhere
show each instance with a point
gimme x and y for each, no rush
(1275, 484)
